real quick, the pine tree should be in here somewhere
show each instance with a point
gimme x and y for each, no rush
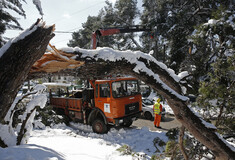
(126, 12)
(217, 95)
(174, 21)
(217, 88)
(209, 42)
(122, 14)
(7, 21)
(82, 38)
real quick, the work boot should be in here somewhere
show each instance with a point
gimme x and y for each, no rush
(159, 127)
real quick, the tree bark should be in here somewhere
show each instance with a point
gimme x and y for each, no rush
(17, 61)
(181, 143)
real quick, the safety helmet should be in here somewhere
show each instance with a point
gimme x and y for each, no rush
(158, 100)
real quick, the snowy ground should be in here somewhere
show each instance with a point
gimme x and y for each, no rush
(79, 142)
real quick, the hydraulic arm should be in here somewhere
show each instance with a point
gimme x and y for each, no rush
(115, 30)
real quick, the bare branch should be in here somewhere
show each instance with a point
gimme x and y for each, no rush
(181, 143)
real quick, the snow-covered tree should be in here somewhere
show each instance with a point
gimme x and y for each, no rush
(210, 41)
(216, 95)
(217, 85)
(18, 121)
(174, 21)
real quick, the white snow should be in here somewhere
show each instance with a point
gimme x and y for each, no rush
(79, 142)
(183, 74)
(207, 125)
(40, 88)
(232, 146)
(66, 143)
(211, 22)
(7, 135)
(231, 20)
(56, 84)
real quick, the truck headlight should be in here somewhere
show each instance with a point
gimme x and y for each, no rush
(121, 121)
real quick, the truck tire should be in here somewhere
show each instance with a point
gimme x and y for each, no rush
(98, 126)
(127, 123)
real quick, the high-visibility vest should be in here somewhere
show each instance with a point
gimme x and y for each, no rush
(156, 108)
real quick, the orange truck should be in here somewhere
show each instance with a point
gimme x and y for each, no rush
(108, 102)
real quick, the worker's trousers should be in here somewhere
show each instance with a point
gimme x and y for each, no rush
(157, 120)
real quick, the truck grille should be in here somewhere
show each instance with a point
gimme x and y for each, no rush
(131, 108)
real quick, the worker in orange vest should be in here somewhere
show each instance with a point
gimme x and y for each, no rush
(157, 109)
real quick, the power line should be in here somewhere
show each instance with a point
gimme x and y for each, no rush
(87, 8)
(60, 19)
(62, 32)
(68, 31)
(74, 29)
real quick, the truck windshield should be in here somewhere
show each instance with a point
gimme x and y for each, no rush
(125, 88)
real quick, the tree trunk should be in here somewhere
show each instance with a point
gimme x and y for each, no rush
(17, 61)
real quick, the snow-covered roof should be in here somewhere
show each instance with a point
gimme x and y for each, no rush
(57, 84)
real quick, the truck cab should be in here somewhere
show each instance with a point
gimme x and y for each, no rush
(115, 101)
(119, 99)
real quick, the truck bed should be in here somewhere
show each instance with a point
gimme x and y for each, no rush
(67, 103)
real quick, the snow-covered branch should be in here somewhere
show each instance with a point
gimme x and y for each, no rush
(10, 135)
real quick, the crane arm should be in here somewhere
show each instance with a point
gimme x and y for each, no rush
(110, 31)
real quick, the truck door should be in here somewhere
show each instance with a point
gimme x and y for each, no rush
(102, 99)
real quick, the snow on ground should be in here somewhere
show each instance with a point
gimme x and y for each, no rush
(79, 142)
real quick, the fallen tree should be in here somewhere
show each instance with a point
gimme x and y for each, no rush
(105, 61)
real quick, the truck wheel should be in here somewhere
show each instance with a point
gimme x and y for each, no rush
(98, 126)
(127, 124)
